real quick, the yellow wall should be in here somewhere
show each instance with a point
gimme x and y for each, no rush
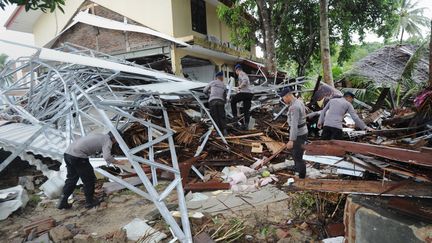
(216, 27)
(49, 25)
(151, 13)
(182, 21)
(181, 17)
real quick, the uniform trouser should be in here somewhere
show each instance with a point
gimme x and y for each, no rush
(217, 111)
(79, 168)
(297, 154)
(330, 133)
(247, 102)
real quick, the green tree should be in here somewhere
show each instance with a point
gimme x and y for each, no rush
(411, 19)
(325, 43)
(43, 5)
(298, 38)
(255, 22)
(297, 30)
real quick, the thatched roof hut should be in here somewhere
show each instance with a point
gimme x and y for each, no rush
(386, 65)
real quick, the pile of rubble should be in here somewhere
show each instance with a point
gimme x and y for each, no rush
(169, 135)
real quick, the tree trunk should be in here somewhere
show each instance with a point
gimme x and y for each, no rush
(430, 58)
(325, 43)
(269, 35)
(403, 30)
(301, 70)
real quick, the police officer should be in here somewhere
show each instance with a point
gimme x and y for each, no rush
(298, 129)
(217, 101)
(244, 95)
(333, 114)
(78, 166)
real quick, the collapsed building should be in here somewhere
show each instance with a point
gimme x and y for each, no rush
(113, 67)
(183, 39)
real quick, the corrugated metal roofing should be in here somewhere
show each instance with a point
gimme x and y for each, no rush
(51, 143)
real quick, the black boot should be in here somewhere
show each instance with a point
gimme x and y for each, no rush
(92, 203)
(63, 203)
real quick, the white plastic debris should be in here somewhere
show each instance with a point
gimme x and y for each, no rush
(339, 239)
(289, 182)
(14, 198)
(267, 180)
(236, 175)
(195, 215)
(138, 228)
(53, 186)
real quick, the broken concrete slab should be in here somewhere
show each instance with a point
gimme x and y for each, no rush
(60, 234)
(366, 218)
(228, 200)
(139, 229)
(44, 238)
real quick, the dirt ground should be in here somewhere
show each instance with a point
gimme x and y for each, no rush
(282, 221)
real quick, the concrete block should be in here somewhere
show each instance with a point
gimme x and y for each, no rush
(368, 220)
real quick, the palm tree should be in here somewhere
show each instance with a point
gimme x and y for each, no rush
(411, 19)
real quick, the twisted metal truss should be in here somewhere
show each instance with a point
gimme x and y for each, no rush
(77, 99)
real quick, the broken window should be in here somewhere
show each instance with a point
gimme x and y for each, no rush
(198, 12)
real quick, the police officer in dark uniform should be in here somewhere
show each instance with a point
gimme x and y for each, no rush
(298, 129)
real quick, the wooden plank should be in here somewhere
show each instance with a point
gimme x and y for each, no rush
(39, 226)
(244, 136)
(410, 189)
(271, 144)
(336, 147)
(207, 186)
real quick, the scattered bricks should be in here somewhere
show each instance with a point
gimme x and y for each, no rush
(60, 233)
(39, 226)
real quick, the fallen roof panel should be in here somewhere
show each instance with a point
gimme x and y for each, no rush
(169, 87)
(50, 144)
(59, 56)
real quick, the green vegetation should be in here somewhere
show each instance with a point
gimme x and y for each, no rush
(410, 19)
(34, 200)
(43, 5)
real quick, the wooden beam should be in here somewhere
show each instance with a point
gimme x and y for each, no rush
(340, 148)
(387, 188)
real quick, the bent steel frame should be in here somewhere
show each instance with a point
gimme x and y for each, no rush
(77, 99)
